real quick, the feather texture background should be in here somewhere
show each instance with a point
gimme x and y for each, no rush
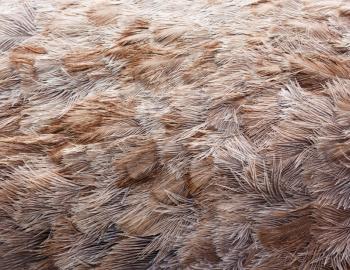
(149, 134)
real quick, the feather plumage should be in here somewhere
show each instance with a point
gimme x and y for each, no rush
(206, 134)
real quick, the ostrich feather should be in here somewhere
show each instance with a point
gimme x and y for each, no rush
(205, 134)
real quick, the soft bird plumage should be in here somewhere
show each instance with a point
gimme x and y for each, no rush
(152, 134)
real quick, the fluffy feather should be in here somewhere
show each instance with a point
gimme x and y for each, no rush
(206, 134)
